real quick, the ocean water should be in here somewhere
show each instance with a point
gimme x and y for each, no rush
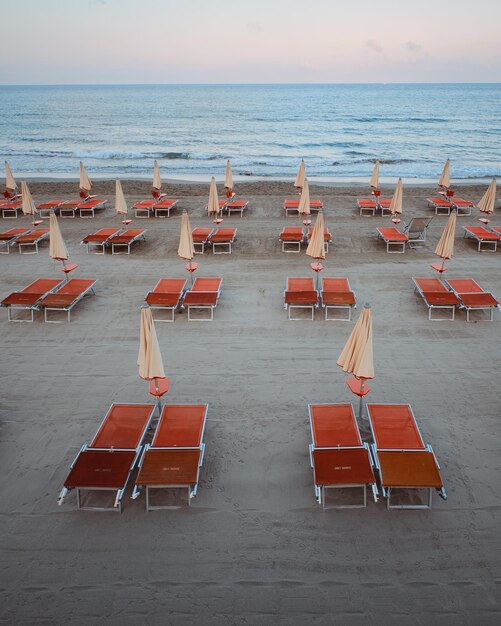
(264, 129)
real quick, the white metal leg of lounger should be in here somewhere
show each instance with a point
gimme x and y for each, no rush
(66, 309)
(301, 306)
(5, 213)
(295, 211)
(395, 244)
(67, 212)
(143, 213)
(201, 307)
(338, 307)
(161, 212)
(442, 210)
(478, 308)
(372, 211)
(463, 210)
(296, 246)
(172, 310)
(426, 505)
(24, 245)
(223, 247)
(323, 488)
(13, 319)
(442, 308)
(199, 247)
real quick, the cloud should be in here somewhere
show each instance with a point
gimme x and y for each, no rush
(253, 27)
(413, 47)
(374, 45)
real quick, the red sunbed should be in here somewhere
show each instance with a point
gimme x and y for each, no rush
(89, 207)
(66, 296)
(201, 237)
(204, 296)
(300, 294)
(27, 299)
(9, 237)
(393, 238)
(164, 207)
(237, 206)
(31, 240)
(486, 239)
(100, 238)
(221, 240)
(166, 295)
(107, 462)
(174, 458)
(473, 297)
(11, 209)
(402, 459)
(125, 239)
(292, 206)
(292, 237)
(370, 205)
(436, 296)
(337, 294)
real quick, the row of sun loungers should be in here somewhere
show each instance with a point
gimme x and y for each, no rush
(487, 240)
(292, 206)
(117, 239)
(293, 236)
(443, 206)
(369, 206)
(49, 295)
(334, 295)
(412, 234)
(171, 461)
(200, 300)
(463, 293)
(399, 456)
(154, 208)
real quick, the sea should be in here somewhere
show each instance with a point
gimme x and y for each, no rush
(118, 130)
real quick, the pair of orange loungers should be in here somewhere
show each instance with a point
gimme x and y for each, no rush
(340, 460)
(172, 459)
(293, 236)
(157, 207)
(334, 295)
(221, 239)
(117, 239)
(171, 293)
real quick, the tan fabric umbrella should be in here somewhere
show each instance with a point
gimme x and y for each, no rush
(228, 180)
(445, 246)
(186, 249)
(157, 181)
(149, 358)
(357, 356)
(85, 183)
(486, 204)
(10, 183)
(28, 206)
(304, 200)
(396, 201)
(445, 179)
(300, 178)
(375, 176)
(57, 247)
(316, 247)
(120, 203)
(213, 205)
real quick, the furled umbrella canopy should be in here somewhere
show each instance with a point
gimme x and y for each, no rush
(445, 178)
(357, 355)
(120, 203)
(57, 247)
(316, 247)
(149, 359)
(445, 246)
(396, 201)
(375, 176)
(213, 205)
(300, 178)
(157, 181)
(186, 249)
(10, 183)
(28, 207)
(486, 204)
(85, 182)
(304, 200)
(228, 179)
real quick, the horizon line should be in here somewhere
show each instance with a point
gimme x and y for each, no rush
(201, 84)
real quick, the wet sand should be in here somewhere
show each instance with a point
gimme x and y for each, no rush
(254, 547)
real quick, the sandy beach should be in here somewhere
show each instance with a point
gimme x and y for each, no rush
(254, 547)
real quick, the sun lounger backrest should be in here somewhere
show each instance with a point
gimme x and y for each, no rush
(465, 285)
(394, 427)
(418, 224)
(207, 284)
(123, 427)
(41, 285)
(76, 286)
(334, 425)
(170, 285)
(180, 425)
(340, 285)
(430, 285)
(34, 235)
(300, 284)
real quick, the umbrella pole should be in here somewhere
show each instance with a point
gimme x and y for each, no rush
(360, 406)
(159, 402)
(191, 275)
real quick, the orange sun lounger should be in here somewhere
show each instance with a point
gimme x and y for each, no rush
(486, 239)
(327, 237)
(166, 296)
(221, 240)
(9, 238)
(28, 298)
(125, 239)
(443, 206)
(10, 210)
(31, 240)
(100, 239)
(436, 296)
(88, 208)
(337, 294)
(473, 297)
(175, 456)
(337, 455)
(46, 208)
(291, 238)
(237, 206)
(300, 294)
(292, 206)
(395, 240)
(370, 206)
(203, 296)
(403, 461)
(163, 207)
(144, 208)
(107, 462)
(65, 297)
(201, 237)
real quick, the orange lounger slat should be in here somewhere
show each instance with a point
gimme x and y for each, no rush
(162, 467)
(291, 238)
(128, 235)
(473, 297)
(337, 295)
(181, 425)
(397, 472)
(100, 469)
(222, 235)
(394, 427)
(203, 295)
(101, 235)
(334, 425)
(33, 235)
(165, 204)
(342, 467)
(294, 204)
(11, 205)
(436, 296)
(66, 296)
(201, 234)
(13, 232)
(123, 426)
(144, 204)
(207, 284)
(300, 294)
(487, 240)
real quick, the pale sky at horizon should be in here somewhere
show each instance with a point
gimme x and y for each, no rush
(257, 41)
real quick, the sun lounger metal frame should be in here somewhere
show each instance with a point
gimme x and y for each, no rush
(199, 246)
(9, 238)
(304, 302)
(441, 205)
(192, 487)
(117, 506)
(292, 231)
(490, 305)
(144, 208)
(237, 206)
(166, 307)
(371, 205)
(426, 449)
(126, 244)
(202, 307)
(416, 230)
(11, 207)
(21, 245)
(100, 244)
(160, 210)
(395, 243)
(88, 208)
(489, 240)
(33, 305)
(222, 247)
(46, 208)
(68, 208)
(432, 299)
(340, 306)
(358, 445)
(68, 306)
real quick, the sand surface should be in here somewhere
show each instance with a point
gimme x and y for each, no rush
(254, 548)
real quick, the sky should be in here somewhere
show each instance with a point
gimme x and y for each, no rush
(253, 41)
